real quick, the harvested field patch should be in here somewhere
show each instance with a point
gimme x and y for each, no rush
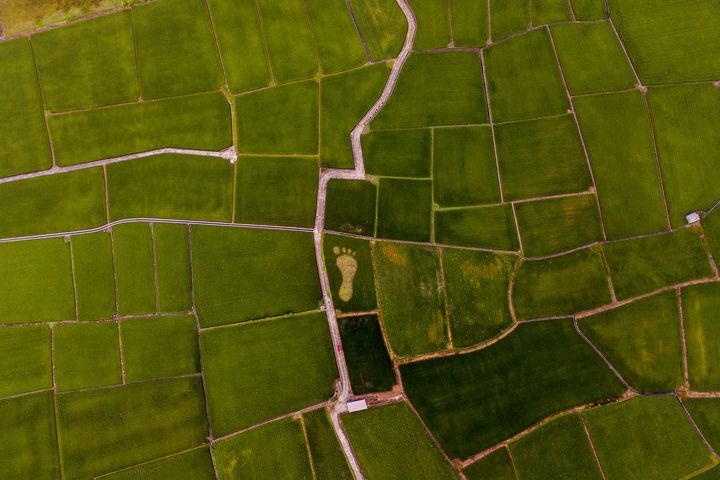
(350, 271)
(485, 227)
(405, 209)
(94, 276)
(398, 153)
(26, 356)
(350, 206)
(134, 268)
(700, 306)
(366, 355)
(86, 355)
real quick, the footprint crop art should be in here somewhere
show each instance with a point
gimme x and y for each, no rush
(348, 267)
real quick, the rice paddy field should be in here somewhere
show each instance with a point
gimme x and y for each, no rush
(359, 239)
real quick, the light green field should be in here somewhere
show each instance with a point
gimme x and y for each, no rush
(362, 298)
(476, 286)
(276, 191)
(390, 443)
(366, 355)
(550, 11)
(86, 355)
(559, 449)
(176, 49)
(171, 186)
(411, 298)
(436, 89)
(279, 120)
(464, 169)
(508, 17)
(404, 209)
(242, 274)
(94, 276)
(469, 20)
(134, 268)
(344, 99)
(643, 341)
(42, 205)
(541, 157)
(276, 450)
(25, 146)
(198, 121)
(433, 29)
(263, 370)
(558, 224)
(107, 73)
(289, 41)
(486, 227)
(193, 465)
(172, 265)
(108, 429)
(159, 347)
(700, 305)
(561, 285)
(36, 283)
(26, 355)
(646, 264)
(591, 57)
(518, 92)
(645, 438)
(350, 206)
(398, 153)
(382, 25)
(473, 401)
(338, 42)
(241, 44)
(495, 466)
(681, 116)
(328, 459)
(617, 134)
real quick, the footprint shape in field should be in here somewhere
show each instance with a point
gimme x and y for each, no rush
(347, 264)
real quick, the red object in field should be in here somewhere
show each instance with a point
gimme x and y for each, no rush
(339, 347)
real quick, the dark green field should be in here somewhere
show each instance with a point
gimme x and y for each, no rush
(366, 355)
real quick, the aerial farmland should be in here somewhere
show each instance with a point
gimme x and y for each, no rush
(359, 239)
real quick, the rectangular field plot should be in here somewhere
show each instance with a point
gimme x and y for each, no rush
(263, 370)
(276, 191)
(682, 115)
(328, 459)
(368, 361)
(108, 429)
(244, 274)
(518, 92)
(344, 99)
(670, 41)
(94, 276)
(495, 466)
(469, 20)
(26, 355)
(192, 465)
(411, 298)
(550, 11)
(643, 341)
(279, 120)
(646, 264)
(382, 26)
(176, 50)
(241, 44)
(559, 449)
(405, 209)
(28, 438)
(464, 399)
(646, 438)
(336, 38)
(617, 133)
(701, 304)
(86, 355)
(464, 169)
(159, 347)
(390, 442)
(24, 141)
(107, 73)
(36, 282)
(350, 206)
(508, 17)
(398, 153)
(55, 203)
(433, 29)
(589, 9)
(541, 157)
(199, 121)
(349, 267)
(561, 285)
(592, 59)
(436, 89)
(172, 267)
(289, 40)
(558, 224)
(171, 186)
(485, 227)
(276, 450)
(134, 268)
(477, 294)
